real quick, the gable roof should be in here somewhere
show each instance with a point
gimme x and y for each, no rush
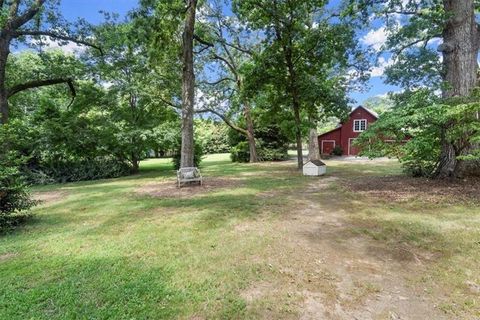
(318, 163)
(373, 113)
(337, 128)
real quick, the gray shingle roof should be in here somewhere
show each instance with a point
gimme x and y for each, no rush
(318, 163)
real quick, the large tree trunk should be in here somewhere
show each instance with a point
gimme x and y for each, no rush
(313, 148)
(4, 52)
(460, 49)
(188, 88)
(292, 90)
(298, 134)
(250, 133)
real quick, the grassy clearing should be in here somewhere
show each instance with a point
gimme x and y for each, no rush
(102, 250)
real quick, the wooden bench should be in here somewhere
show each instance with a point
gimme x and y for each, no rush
(187, 175)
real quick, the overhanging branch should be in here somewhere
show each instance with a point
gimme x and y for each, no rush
(36, 33)
(225, 119)
(19, 21)
(43, 83)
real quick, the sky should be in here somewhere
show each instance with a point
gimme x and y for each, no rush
(375, 37)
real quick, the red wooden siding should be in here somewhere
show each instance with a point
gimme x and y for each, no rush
(345, 135)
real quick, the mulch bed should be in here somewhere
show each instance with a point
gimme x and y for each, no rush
(169, 189)
(403, 189)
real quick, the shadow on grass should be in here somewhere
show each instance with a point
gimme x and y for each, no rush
(95, 288)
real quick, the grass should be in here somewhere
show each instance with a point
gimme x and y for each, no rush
(102, 250)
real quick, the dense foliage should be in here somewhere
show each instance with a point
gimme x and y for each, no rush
(15, 201)
(212, 136)
(412, 131)
(433, 48)
(272, 145)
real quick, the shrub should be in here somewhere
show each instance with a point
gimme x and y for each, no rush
(416, 127)
(15, 200)
(71, 170)
(279, 154)
(240, 152)
(197, 158)
(272, 145)
(212, 136)
(337, 151)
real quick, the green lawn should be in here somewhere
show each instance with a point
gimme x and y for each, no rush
(107, 250)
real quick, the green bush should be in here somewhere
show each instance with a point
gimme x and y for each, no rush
(279, 154)
(240, 152)
(337, 151)
(412, 131)
(197, 159)
(212, 136)
(62, 171)
(15, 200)
(272, 145)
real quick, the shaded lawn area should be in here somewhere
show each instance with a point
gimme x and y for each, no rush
(106, 250)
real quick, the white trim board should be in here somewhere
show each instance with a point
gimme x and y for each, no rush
(350, 146)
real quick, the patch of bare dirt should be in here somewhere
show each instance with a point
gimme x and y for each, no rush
(404, 189)
(329, 272)
(49, 196)
(169, 188)
(7, 256)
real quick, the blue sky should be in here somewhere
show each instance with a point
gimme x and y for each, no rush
(89, 10)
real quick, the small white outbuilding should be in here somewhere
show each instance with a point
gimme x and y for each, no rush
(314, 168)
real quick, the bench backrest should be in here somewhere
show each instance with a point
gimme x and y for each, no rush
(189, 173)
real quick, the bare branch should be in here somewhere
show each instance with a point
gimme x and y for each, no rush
(202, 41)
(218, 81)
(41, 83)
(171, 104)
(228, 63)
(13, 9)
(225, 119)
(35, 33)
(19, 21)
(425, 41)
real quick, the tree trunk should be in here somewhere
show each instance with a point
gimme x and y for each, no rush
(292, 91)
(188, 87)
(313, 148)
(460, 49)
(250, 133)
(298, 134)
(4, 52)
(135, 164)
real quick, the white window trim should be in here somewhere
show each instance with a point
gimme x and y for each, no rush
(334, 144)
(360, 126)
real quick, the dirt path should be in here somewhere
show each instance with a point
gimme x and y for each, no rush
(329, 272)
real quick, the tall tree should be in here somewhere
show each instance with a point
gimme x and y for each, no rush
(305, 48)
(412, 26)
(170, 27)
(133, 87)
(22, 19)
(228, 45)
(188, 86)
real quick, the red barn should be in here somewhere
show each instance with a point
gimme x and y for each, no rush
(344, 135)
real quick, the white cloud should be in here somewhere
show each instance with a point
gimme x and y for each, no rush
(48, 43)
(379, 69)
(375, 38)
